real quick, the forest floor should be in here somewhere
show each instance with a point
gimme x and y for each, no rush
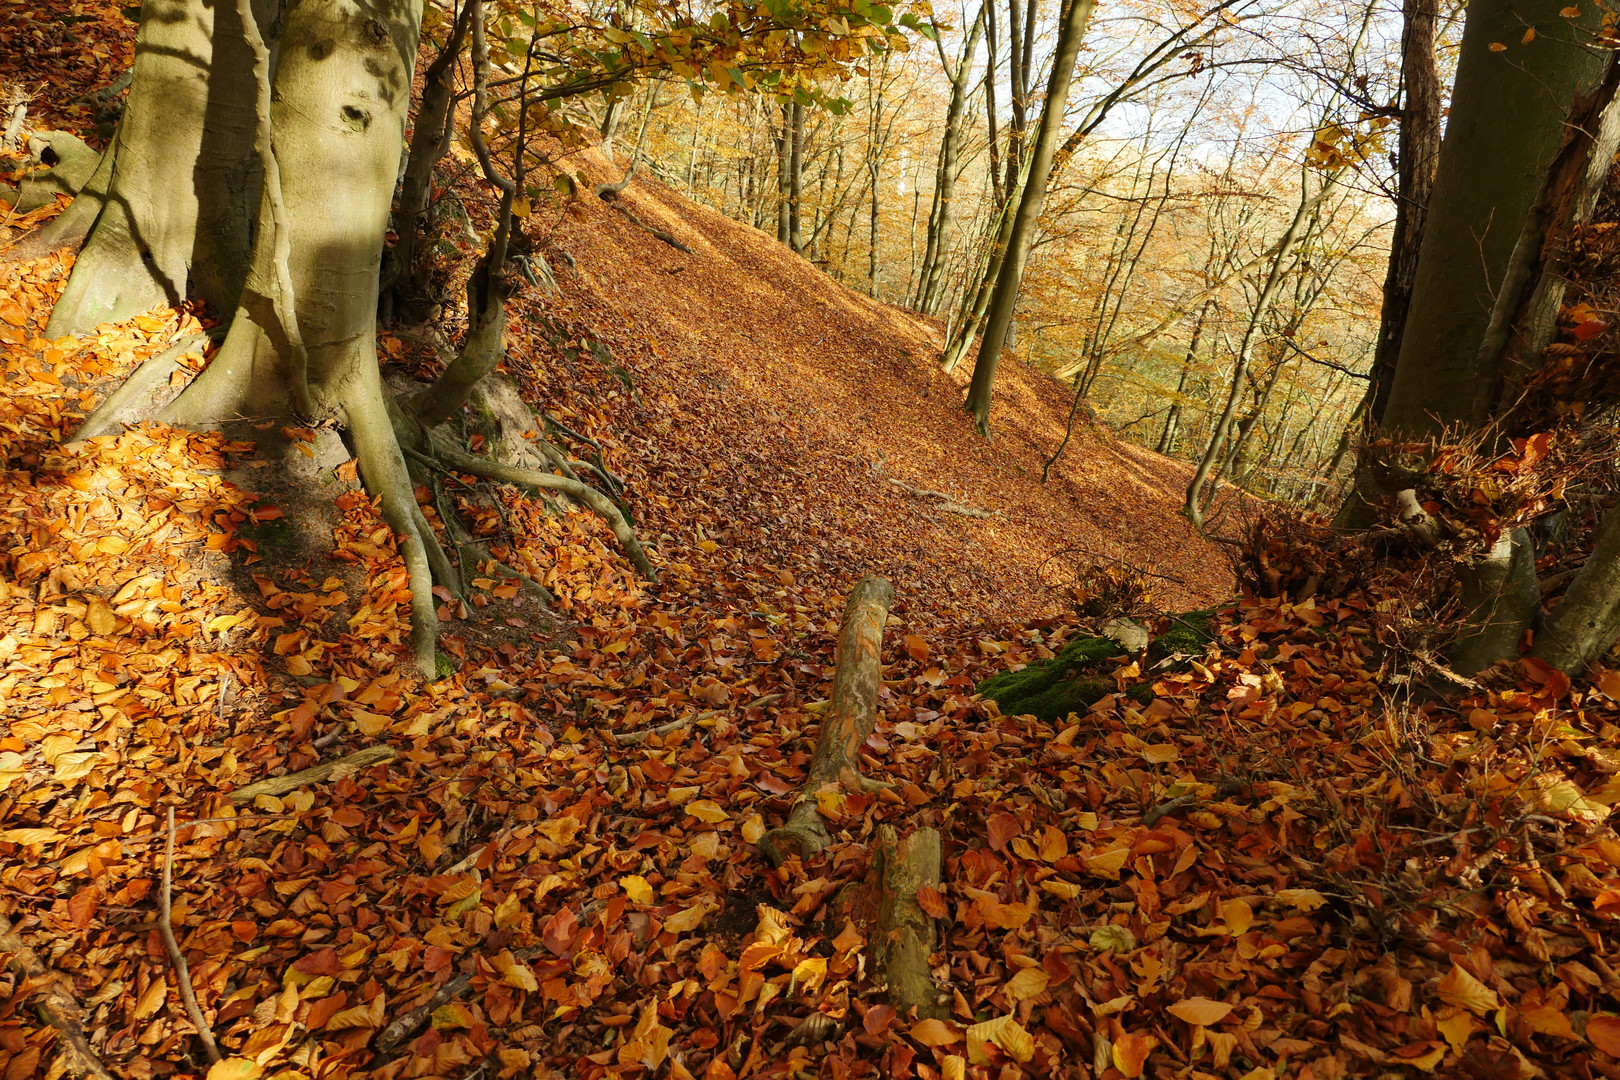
(1276, 867)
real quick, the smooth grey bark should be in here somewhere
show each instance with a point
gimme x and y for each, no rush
(1500, 597)
(1505, 125)
(1586, 622)
(796, 176)
(999, 314)
(342, 90)
(178, 197)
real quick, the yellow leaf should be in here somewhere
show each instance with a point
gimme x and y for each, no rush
(637, 888)
(708, 811)
(1063, 890)
(753, 829)
(1426, 1061)
(810, 973)
(830, 803)
(680, 796)
(1005, 1032)
(28, 837)
(1108, 864)
(1456, 1030)
(1028, 983)
(1459, 987)
(519, 976)
(954, 1067)
(71, 767)
(1302, 899)
(1054, 844)
(1201, 1011)
(520, 207)
(934, 1033)
(688, 919)
(1160, 753)
(507, 910)
(151, 1000)
(1238, 917)
(100, 617)
(235, 1068)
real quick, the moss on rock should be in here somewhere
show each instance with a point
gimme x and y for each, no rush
(1072, 681)
(1186, 634)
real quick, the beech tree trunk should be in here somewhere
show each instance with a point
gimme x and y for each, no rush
(1021, 238)
(1586, 622)
(342, 90)
(847, 722)
(176, 195)
(1505, 125)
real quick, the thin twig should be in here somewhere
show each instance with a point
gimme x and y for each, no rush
(166, 928)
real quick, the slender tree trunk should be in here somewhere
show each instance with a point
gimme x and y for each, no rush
(950, 144)
(784, 178)
(1172, 420)
(796, 179)
(1194, 506)
(1005, 299)
(182, 177)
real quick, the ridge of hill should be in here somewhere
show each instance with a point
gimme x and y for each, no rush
(776, 377)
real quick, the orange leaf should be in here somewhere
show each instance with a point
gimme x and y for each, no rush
(1459, 987)
(1131, 1053)
(1003, 827)
(935, 1033)
(1603, 1032)
(916, 648)
(929, 899)
(1200, 1010)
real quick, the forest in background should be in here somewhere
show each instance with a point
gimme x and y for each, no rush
(1191, 140)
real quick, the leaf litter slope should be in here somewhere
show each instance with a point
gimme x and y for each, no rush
(1266, 870)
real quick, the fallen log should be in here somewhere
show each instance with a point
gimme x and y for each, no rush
(905, 932)
(846, 724)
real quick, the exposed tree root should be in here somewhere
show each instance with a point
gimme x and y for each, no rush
(664, 235)
(847, 723)
(382, 466)
(136, 399)
(54, 1004)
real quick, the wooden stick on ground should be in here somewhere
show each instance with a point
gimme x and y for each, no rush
(317, 774)
(182, 972)
(52, 1002)
(846, 724)
(634, 738)
(905, 933)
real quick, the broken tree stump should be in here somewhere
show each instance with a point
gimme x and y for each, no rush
(905, 932)
(846, 724)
